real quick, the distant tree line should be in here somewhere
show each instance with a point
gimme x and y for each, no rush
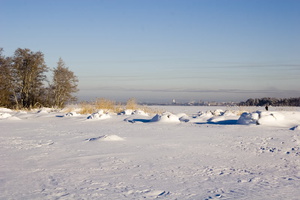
(24, 84)
(272, 102)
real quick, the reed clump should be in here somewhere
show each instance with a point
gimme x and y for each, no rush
(111, 106)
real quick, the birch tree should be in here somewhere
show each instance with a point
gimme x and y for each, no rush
(64, 84)
(29, 77)
(6, 80)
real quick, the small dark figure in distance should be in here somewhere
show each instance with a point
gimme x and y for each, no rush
(267, 107)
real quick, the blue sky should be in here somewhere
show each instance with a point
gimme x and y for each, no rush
(157, 50)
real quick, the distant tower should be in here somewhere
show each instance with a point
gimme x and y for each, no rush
(174, 101)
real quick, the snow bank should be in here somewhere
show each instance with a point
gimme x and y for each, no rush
(280, 119)
(100, 115)
(166, 118)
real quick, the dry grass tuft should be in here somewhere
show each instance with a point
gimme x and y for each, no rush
(131, 104)
(68, 109)
(86, 108)
(111, 106)
(149, 110)
(105, 104)
(118, 108)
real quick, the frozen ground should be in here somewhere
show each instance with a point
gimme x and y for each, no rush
(184, 154)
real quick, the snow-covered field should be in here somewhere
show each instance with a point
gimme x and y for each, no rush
(185, 153)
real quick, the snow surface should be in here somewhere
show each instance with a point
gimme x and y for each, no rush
(186, 153)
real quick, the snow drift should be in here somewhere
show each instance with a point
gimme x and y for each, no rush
(166, 117)
(279, 119)
(100, 115)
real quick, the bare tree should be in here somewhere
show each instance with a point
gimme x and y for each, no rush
(6, 80)
(28, 73)
(64, 84)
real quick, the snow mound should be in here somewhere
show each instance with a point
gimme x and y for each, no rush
(111, 138)
(106, 138)
(126, 112)
(183, 117)
(248, 118)
(273, 118)
(217, 112)
(14, 118)
(165, 117)
(8, 116)
(100, 115)
(202, 116)
(279, 119)
(5, 115)
(71, 114)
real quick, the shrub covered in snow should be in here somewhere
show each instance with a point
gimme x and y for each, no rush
(248, 118)
(99, 115)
